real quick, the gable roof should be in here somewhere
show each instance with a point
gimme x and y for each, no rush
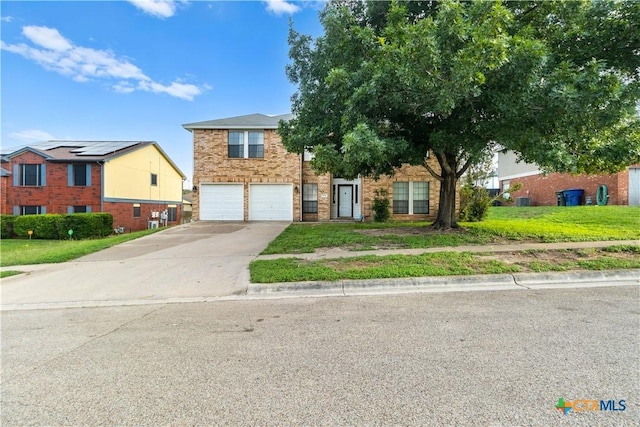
(250, 121)
(88, 151)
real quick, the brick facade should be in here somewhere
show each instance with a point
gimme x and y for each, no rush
(56, 196)
(5, 182)
(213, 165)
(541, 189)
(123, 214)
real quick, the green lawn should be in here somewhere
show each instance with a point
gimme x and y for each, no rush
(443, 264)
(540, 224)
(27, 252)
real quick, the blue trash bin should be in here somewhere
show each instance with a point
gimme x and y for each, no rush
(573, 196)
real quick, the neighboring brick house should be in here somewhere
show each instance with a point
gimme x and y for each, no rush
(135, 181)
(242, 172)
(623, 188)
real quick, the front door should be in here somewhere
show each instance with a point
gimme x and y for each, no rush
(345, 201)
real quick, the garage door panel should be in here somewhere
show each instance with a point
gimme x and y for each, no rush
(271, 202)
(222, 202)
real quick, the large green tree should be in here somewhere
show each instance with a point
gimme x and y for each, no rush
(393, 82)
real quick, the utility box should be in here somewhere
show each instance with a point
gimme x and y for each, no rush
(523, 201)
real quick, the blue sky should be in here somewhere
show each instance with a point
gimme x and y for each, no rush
(138, 70)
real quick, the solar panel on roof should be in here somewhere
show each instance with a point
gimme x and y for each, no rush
(100, 148)
(49, 145)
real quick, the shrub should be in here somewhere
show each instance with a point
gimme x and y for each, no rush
(6, 226)
(474, 203)
(43, 226)
(86, 225)
(55, 226)
(381, 206)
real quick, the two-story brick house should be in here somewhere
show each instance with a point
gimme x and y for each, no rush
(242, 172)
(135, 181)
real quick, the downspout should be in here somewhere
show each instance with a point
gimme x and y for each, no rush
(300, 192)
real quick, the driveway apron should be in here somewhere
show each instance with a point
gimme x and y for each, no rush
(196, 260)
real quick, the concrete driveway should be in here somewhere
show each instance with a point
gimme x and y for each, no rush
(189, 262)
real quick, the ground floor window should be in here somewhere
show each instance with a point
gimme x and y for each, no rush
(172, 212)
(310, 198)
(136, 210)
(80, 209)
(32, 210)
(411, 197)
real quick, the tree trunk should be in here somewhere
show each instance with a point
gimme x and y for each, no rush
(446, 218)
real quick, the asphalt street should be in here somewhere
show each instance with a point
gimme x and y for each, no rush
(462, 358)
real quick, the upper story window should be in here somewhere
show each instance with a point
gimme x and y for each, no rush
(154, 179)
(246, 144)
(79, 175)
(29, 175)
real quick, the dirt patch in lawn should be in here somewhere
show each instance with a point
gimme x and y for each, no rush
(410, 231)
(450, 237)
(563, 259)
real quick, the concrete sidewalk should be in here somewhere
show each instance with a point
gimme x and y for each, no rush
(341, 253)
(194, 264)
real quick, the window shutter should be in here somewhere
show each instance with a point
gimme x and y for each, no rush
(16, 175)
(88, 209)
(43, 175)
(88, 184)
(16, 210)
(43, 209)
(70, 175)
(69, 209)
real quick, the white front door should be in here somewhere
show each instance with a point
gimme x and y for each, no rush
(634, 187)
(345, 201)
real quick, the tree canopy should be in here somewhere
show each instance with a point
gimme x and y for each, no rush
(389, 82)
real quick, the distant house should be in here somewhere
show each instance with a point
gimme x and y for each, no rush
(135, 181)
(622, 188)
(242, 172)
(187, 202)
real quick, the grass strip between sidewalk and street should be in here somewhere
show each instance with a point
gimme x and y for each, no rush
(443, 264)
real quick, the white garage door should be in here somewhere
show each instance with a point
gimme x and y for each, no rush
(221, 202)
(271, 202)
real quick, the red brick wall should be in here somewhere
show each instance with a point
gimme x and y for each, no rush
(5, 181)
(56, 195)
(542, 188)
(123, 214)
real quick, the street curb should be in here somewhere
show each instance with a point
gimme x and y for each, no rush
(445, 283)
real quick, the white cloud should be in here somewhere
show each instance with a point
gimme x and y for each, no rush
(55, 53)
(32, 135)
(48, 38)
(280, 7)
(6, 18)
(157, 8)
